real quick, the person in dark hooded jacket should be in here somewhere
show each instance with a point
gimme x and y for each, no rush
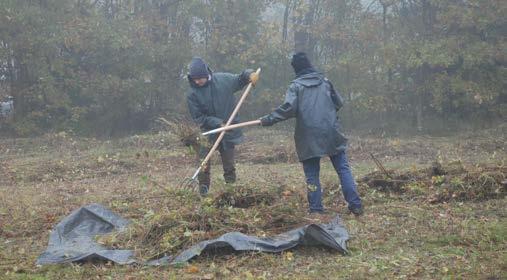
(313, 101)
(211, 102)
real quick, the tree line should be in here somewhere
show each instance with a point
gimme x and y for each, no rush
(110, 67)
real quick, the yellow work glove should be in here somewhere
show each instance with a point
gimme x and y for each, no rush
(254, 77)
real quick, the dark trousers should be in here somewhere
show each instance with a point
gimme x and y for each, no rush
(340, 162)
(227, 163)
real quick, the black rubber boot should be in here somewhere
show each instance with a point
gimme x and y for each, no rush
(358, 211)
(228, 164)
(203, 190)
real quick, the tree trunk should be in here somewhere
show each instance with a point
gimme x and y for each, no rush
(285, 21)
(19, 83)
(303, 40)
(419, 114)
(349, 94)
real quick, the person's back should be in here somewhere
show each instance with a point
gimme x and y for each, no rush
(317, 126)
(312, 100)
(316, 107)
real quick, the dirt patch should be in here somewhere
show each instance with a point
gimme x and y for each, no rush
(268, 154)
(443, 182)
(68, 169)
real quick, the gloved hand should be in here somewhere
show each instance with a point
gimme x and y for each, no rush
(266, 120)
(213, 122)
(254, 77)
(249, 76)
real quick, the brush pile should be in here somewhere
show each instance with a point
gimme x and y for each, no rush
(186, 130)
(185, 219)
(443, 182)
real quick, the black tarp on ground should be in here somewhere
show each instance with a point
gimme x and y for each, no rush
(73, 239)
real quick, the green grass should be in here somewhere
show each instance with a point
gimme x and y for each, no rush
(398, 237)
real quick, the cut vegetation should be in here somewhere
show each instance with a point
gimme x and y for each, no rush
(422, 219)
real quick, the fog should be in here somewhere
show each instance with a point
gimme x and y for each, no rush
(111, 68)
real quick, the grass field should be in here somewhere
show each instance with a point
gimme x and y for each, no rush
(402, 235)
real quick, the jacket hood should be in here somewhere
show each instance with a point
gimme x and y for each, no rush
(310, 80)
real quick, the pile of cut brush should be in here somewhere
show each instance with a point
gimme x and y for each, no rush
(186, 130)
(443, 182)
(184, 219)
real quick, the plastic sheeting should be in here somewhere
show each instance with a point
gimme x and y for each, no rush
(72, 240)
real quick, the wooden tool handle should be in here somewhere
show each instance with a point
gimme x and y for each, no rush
(232, 126)
(229, 121)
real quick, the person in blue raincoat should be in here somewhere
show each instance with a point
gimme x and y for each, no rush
(313, 101)
(211, 102)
